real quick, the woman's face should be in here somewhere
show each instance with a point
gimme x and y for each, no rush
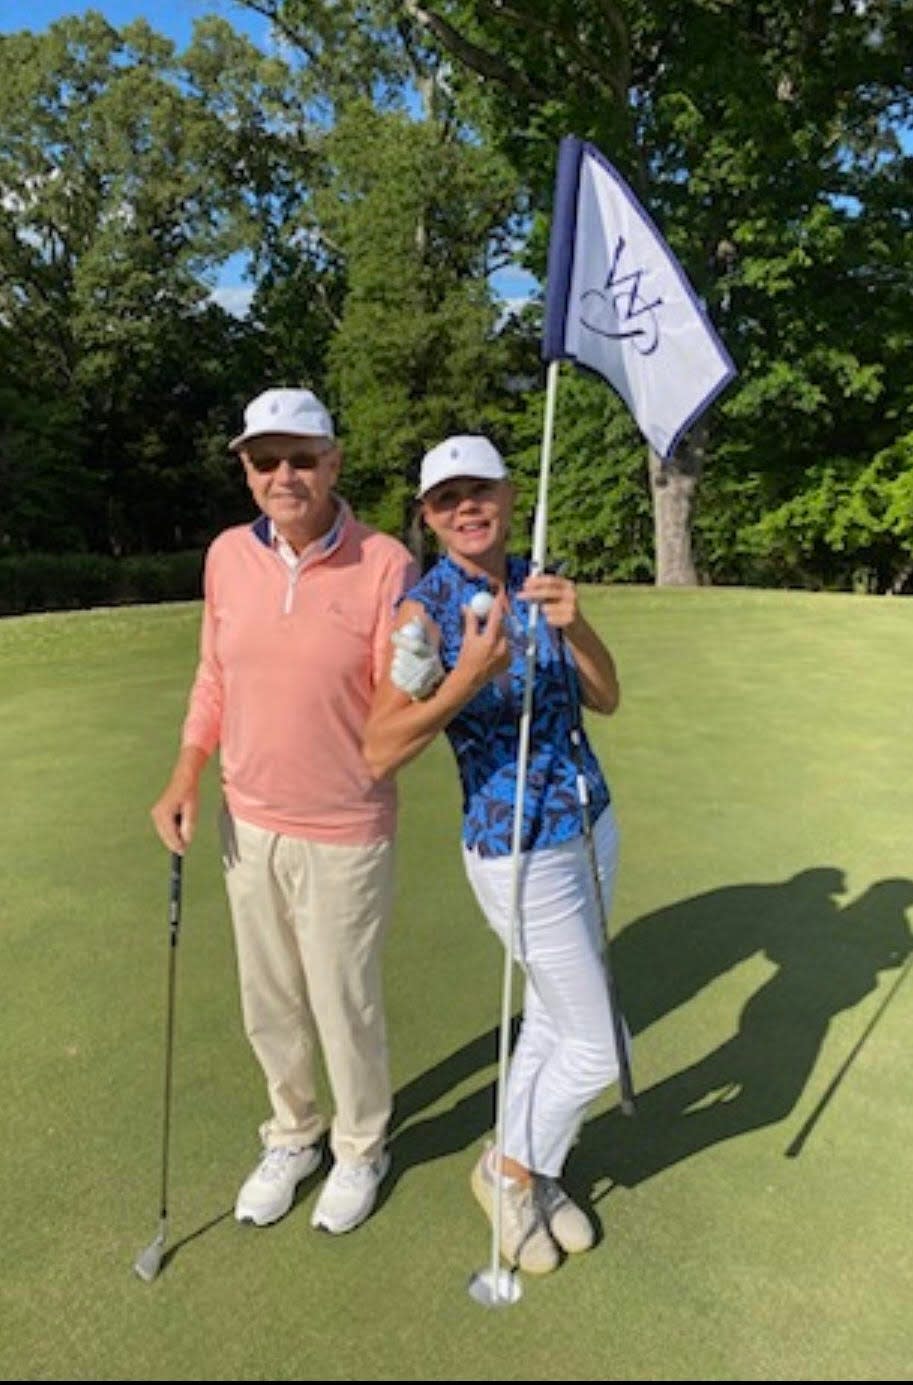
(470, 517)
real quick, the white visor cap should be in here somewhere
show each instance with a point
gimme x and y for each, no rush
(296, 413)
(466, 454)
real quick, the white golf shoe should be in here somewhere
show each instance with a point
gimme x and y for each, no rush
(270, 1190)
(349, 1194)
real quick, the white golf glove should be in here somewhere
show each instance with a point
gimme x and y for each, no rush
(416, 668)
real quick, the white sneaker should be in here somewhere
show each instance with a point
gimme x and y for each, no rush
(349, 1194)
(270, 1190)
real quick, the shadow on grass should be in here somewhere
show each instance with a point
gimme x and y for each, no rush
(827, 960)
(462, 1124)
(172, 1250)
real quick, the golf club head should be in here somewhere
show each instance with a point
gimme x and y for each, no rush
(492, 1293)
(149, 1261)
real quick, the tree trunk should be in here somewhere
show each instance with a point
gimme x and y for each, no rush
(673, 485)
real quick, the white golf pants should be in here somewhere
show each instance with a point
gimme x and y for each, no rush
(565, 1054)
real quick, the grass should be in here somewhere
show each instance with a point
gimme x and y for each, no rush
(761, 766)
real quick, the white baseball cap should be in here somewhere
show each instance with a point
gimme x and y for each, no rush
(466, 454)
(298, 413)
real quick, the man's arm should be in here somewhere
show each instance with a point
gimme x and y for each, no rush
(175, 812)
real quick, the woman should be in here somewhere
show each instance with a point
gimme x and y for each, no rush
(465, 676)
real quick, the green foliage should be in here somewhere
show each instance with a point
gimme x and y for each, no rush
(846, 526)
(600, 518)
(412, 209)
(128, 174)
(67, 581)
(766, 142)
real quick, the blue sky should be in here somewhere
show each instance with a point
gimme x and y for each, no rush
(175, 18)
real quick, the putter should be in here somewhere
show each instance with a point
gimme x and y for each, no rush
(149, 1261)
(625, 1082)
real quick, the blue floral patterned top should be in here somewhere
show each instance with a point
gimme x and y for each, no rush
(485, 733)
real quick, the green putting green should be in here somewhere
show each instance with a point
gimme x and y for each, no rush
(753, 1216)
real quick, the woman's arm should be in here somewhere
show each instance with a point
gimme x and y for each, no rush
(595, 665)
(398, 728)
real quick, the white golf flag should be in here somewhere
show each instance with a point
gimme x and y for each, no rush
(618, 303)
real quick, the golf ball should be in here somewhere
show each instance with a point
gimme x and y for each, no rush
(481, 604)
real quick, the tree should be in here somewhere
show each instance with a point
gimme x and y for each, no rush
(413, 211)
(846, 527)
(764, 139)
(126, 175)
(410, 217)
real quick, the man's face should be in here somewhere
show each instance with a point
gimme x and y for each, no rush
(291, 480)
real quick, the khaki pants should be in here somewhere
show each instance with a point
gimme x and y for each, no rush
(309, 922)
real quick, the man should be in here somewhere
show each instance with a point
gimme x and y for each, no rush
(298, 612)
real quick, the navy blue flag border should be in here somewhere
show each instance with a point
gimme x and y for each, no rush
(562, 241)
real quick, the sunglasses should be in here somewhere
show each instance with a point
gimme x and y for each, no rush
(448, 495)
(302, 459)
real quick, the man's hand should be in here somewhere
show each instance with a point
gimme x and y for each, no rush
(416, 669)
(175, 813)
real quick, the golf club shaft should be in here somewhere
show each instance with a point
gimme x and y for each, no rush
(174, 928)
(576, 737)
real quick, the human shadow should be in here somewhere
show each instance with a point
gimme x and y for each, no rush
(464, 1123)
(828, 959)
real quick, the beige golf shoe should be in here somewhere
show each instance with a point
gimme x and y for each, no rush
(570, 1226)
(524, 1237)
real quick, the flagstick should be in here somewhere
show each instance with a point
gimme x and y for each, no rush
(491, 1293)
(795, 1145)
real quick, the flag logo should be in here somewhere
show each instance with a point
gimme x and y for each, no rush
(618, 302)
(617, 310)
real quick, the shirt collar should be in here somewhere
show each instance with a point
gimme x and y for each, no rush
(515, 574)
(320, 546)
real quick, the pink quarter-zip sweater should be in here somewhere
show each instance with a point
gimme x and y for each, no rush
(289, 659)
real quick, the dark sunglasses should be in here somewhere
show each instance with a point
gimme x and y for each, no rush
(302, 459)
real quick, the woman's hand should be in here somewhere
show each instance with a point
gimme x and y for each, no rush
(485, 651)
(416, 667)
(557, 597)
